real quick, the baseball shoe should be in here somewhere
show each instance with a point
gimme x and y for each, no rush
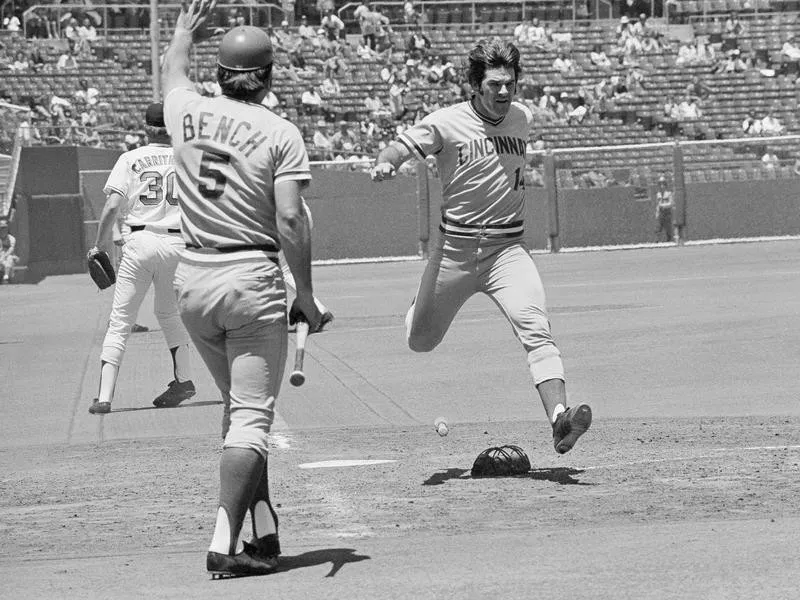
(248, 562)
(268, 546)
(139, 328)
(176, 392)
(569, 426)
(100, 408)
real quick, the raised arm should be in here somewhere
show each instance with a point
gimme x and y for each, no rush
(190, 28)
(389, 160)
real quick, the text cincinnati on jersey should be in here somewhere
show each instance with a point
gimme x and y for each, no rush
(239, 135)
(482, 147)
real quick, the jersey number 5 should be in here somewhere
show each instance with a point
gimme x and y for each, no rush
(155, 188)
(210, 170)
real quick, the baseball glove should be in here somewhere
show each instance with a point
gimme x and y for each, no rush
(501, 460)
(100, 269)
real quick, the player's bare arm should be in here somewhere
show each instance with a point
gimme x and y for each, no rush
(295, 235)
(107, 219)
(389, 160)
(190, 28)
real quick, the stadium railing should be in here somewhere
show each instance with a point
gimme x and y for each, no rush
(112, 17)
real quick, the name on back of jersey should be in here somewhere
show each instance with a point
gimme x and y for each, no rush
(152, 160)
(236, 133)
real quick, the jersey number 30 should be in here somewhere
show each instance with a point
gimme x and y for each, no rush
(155, 188)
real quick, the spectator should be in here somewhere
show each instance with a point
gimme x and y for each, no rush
(599, 58)
(8, 258)
(687, 54)
(344, 139)
(12, 23)
(373, 26)
(733, 26)
(323, 142)
(397, 98)
(790, 50)
(771, 125)
(671, 109)
(87, 35)
(37, 27)
(770, 160)
(67, 61)
(330, 88)
(307, 34)
(732, 63)
(688, 110)
(86, 93)
(374, 104)
(367, 25)
(578, 113)
(70, 32)
(796, 169)
(563, 63)
(698, 88)
(311, 101)
(444, 69)
(20, 62)
(36, 60)
(418, 44)
(410, 14)
(751, 125)
(332, 25)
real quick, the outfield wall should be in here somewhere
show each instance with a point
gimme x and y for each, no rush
(358, 219)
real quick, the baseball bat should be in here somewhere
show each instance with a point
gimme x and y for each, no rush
(298, 377)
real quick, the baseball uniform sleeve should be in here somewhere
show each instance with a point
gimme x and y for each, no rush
(290, 157)
(174, 104)
(423, 139)
(118, 179)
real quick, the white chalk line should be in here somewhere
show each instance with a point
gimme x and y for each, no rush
(715, 454)
(328, 464)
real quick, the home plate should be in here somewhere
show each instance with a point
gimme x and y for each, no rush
(324, 464)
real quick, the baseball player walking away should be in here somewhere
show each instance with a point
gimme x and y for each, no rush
(240, 171)
(142, 182)
(479, 146)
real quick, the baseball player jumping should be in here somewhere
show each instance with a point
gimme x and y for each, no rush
(479, 146)
(240, 171)
(143, 184)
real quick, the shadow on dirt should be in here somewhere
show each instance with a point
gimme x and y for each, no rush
(560, 475)
(338, 557)
(440, 478)
(184, 405)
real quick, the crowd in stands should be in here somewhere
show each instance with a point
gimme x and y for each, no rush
(317, 58)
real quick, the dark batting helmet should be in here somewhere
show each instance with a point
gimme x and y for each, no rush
(245, 48)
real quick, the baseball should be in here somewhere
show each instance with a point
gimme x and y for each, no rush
(440, 425)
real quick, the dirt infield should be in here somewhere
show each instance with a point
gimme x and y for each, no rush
(686, 487)
(145, 510)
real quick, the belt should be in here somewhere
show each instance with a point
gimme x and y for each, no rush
(503, 230)
(241, 248)
(152, 228)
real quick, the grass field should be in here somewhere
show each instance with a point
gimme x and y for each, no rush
(686, 487)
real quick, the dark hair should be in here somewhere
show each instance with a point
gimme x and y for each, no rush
(242, 85)
(489, 55)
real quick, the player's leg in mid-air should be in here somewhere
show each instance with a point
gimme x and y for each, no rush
(447, 282)
(244, 346)
(133, 280)
(166, 310)
(510, 277)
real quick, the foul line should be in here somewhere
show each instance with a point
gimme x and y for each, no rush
(716, 452)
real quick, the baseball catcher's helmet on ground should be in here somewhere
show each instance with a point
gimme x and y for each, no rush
(501, 460)
(245, 48)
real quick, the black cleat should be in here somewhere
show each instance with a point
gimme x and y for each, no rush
(569, 426)
(248, 562)
(100, 408)
(176, 392)
(136, 328)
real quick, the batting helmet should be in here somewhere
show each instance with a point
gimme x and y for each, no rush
(245, 48)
